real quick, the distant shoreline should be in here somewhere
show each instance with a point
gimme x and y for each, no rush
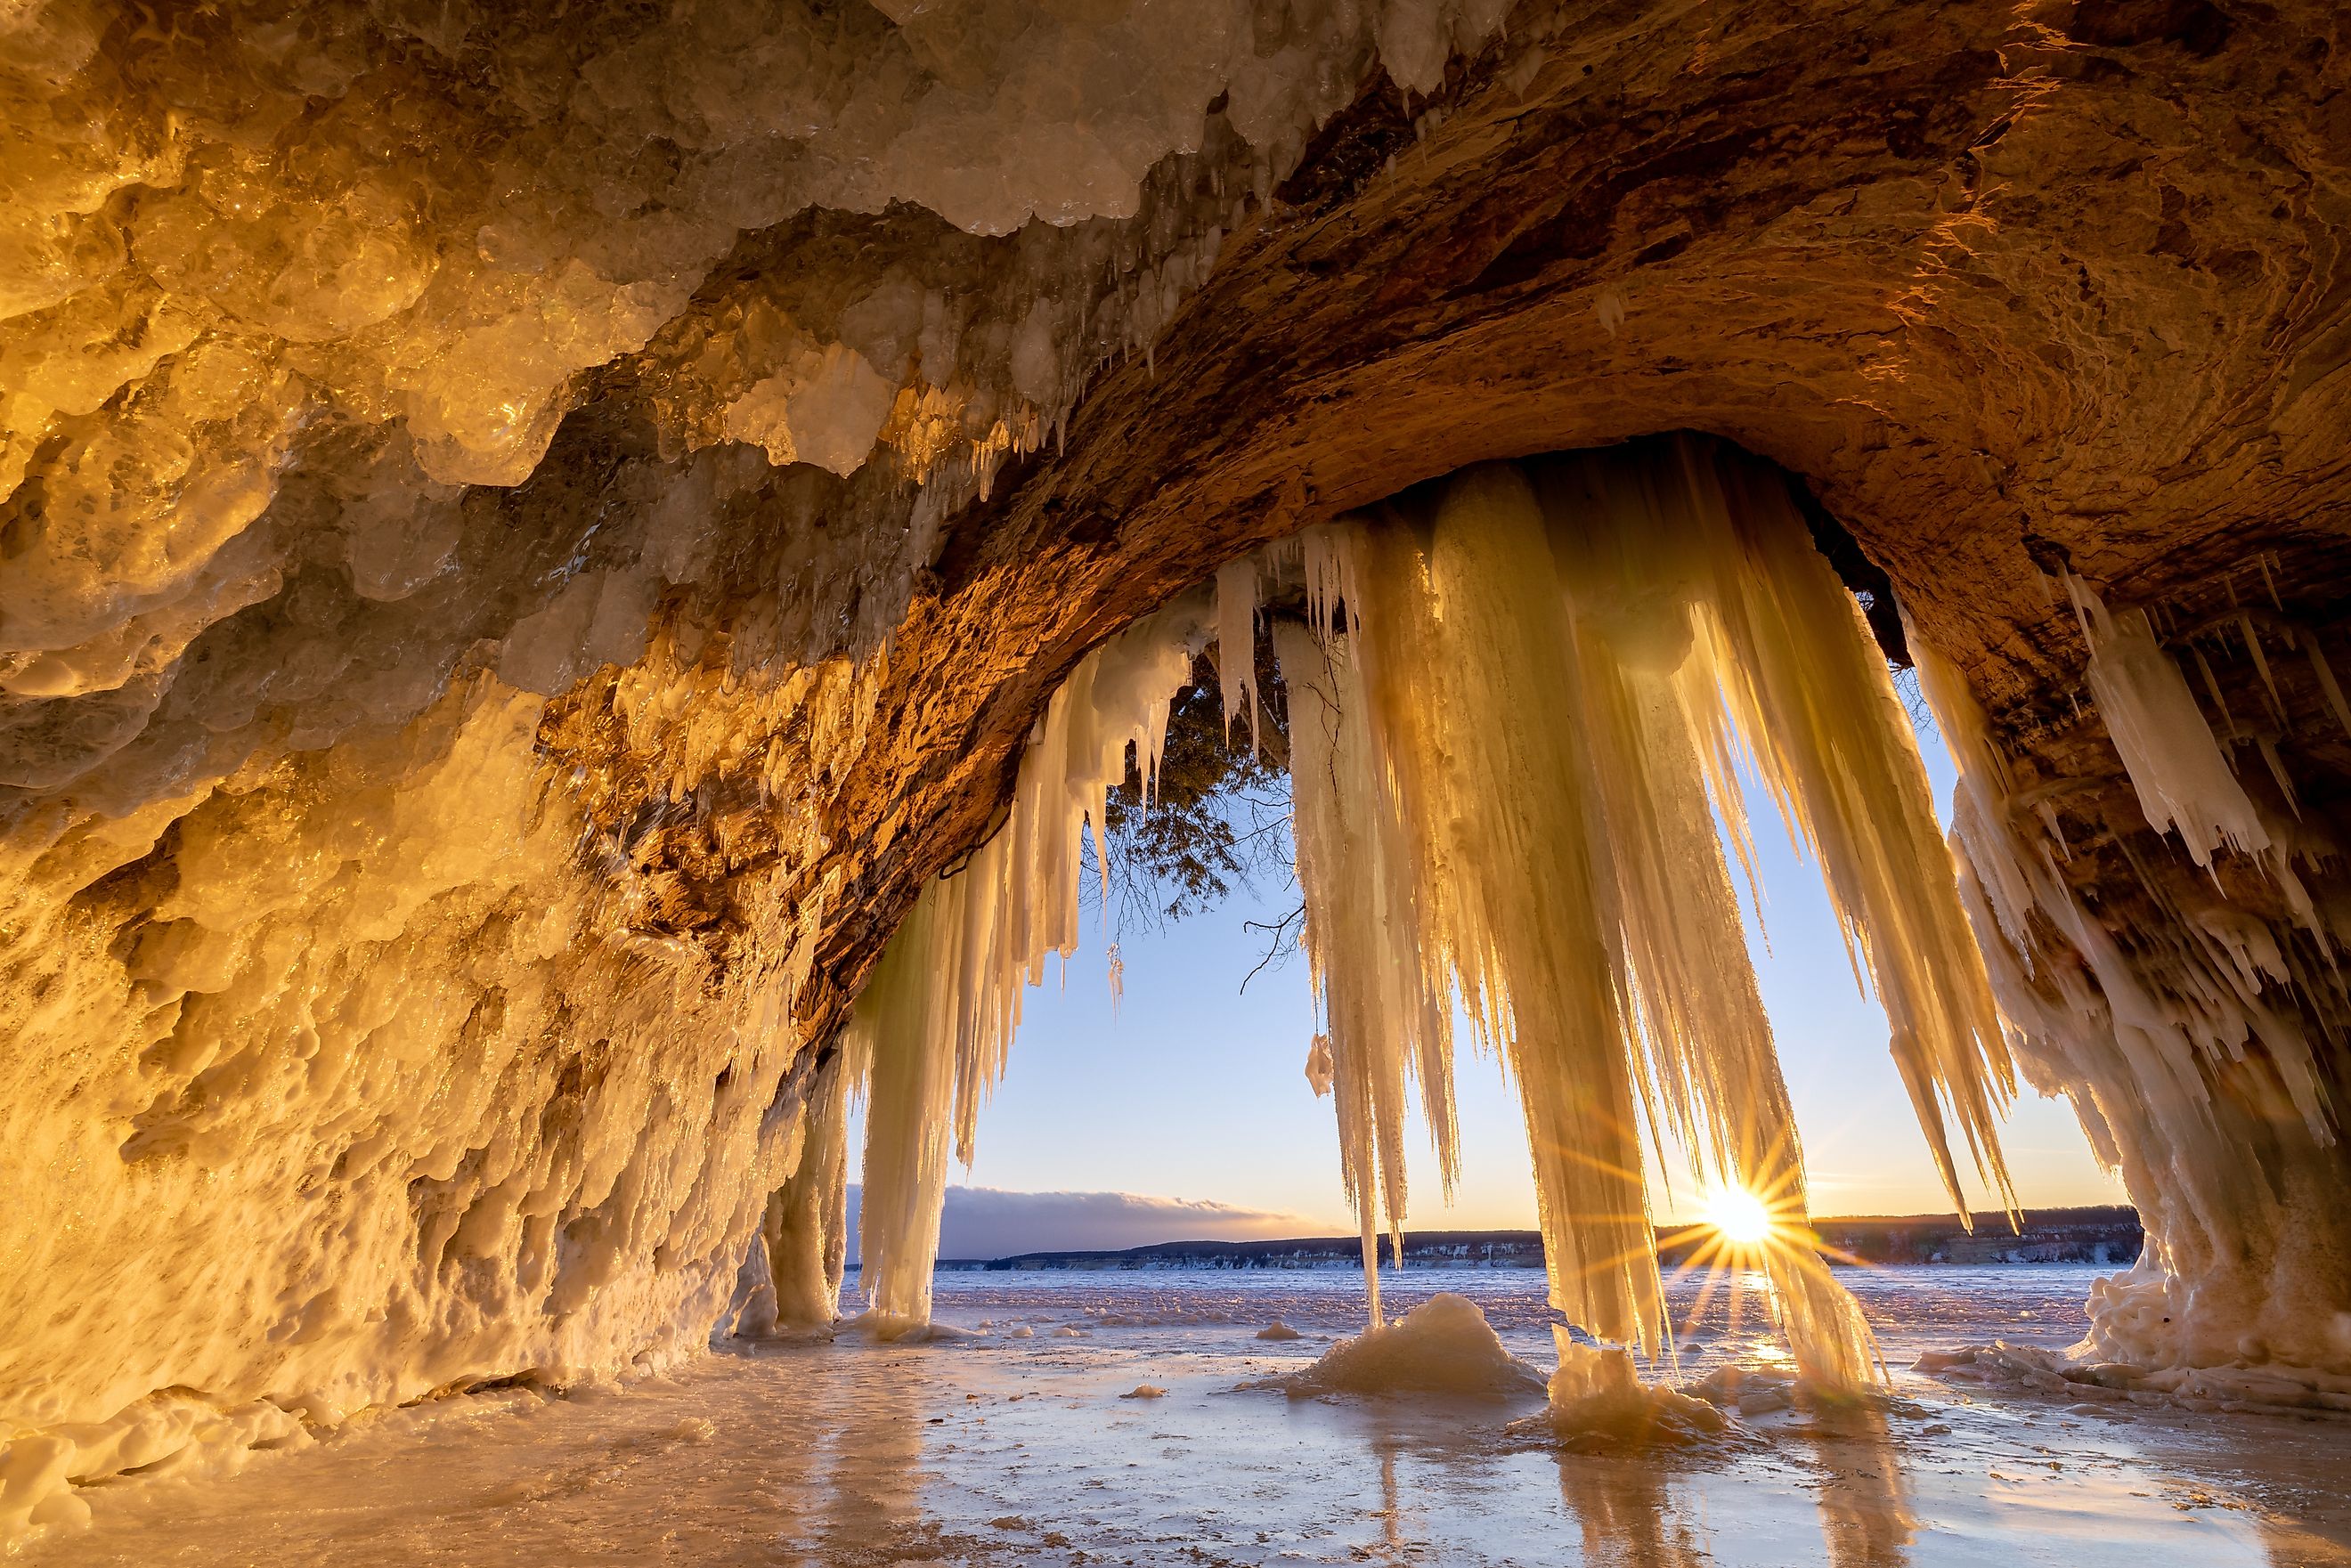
(2107, 1236)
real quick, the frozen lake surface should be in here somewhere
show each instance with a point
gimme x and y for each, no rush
(1017, 1447)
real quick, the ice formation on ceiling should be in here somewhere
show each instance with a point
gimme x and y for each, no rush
(279, 283)
(413, 846)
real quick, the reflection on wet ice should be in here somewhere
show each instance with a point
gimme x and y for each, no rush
(1627, 1512)
(865, 1490)
(1391, 1507)
(1864, 1499)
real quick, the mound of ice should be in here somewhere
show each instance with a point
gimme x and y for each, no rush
(1144, 1391)
(1599, 1402)
(1277, 1329)
(1443, 1346)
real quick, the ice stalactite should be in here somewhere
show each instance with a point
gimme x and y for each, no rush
(1464, 638)
(1711, 1075)
(905, 1029)
(938, 1014)
(2180, 1028)
(1808, 694)
(2185, 785)
(1237, 641)
(1385, 1023)
(1509, 772)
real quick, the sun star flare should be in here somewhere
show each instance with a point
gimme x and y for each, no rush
(1739, 1217)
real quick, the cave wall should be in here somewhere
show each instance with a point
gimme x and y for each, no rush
(524, 545)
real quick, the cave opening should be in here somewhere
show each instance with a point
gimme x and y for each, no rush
(1652, 576)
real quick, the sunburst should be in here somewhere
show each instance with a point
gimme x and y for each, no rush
(1739, 1217)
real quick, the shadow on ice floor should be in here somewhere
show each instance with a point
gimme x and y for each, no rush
(1017, 1447)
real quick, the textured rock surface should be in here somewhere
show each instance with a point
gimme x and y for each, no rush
(368, 377)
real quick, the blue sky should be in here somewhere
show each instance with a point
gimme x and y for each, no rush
(1196, 1092)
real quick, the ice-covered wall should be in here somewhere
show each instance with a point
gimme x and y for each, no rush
(344, 1083)
(2177, 980)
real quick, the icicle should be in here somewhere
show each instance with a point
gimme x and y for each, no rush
(1806, 686)
(1714, 1076)
(2047, 811)
(2269, 751)
(2326, 682)
(2262, 666)
(2213, 690)
(938, 1014)
(1327, 564)
(1470, 680)
(2183, 783)
(1981, 817)
(1385, 1021)
(1237, 641)
(903, 1028)
(805, 1226)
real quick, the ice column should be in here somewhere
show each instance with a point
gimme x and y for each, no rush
(1711, 1073)
(806, 1223)
(938, 1012)
(2179, 1039)
(1470, 675)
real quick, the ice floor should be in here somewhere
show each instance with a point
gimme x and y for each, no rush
(1017, 1447)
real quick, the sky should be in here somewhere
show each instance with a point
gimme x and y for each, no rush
(1185, 1113)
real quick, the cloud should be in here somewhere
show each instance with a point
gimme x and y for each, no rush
(989, 1222)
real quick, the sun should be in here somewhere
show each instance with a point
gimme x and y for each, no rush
(1739, 1216)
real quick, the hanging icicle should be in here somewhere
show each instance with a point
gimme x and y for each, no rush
(1385, 1023)
(938, 1014)
(1556, 668)
(1471, 676)
(1237, 642)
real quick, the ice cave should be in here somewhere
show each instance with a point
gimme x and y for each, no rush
(575, 583)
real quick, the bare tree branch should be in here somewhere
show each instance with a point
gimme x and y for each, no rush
(1282, 936)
